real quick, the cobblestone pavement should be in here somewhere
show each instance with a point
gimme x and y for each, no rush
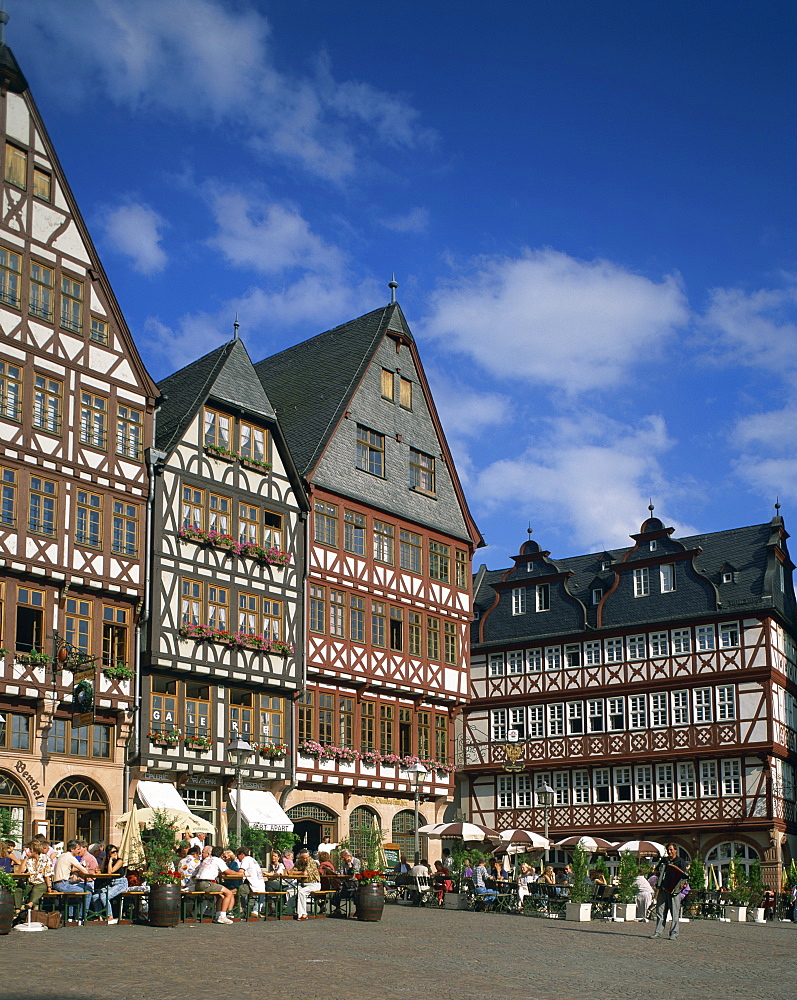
(427, 954)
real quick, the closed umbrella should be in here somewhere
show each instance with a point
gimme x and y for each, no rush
(643, 847)
(592, 845)
(459, 831)
(131, 848)
(179, 818)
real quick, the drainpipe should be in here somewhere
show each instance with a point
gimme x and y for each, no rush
(301, 641)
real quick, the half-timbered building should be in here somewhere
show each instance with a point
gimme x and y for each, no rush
(651, 688)
(224, 651)
(388, 586)
(76, 410)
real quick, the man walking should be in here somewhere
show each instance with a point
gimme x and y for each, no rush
(670, 882)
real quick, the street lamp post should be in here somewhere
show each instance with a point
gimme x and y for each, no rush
(417, 773)
(545, 798)
(241, 751)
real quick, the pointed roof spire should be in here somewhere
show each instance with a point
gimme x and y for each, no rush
(235, 326)
(392, 285)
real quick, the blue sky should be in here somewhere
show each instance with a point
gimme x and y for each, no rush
(589, 207)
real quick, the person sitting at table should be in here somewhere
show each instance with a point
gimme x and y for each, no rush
(6, 861)
(349, 866)
(253, 883)
(39, 869)
(403, 866)
(232, 863)
(597, 877)
(208, 871)
(11, 852)
(525, 879)
(480, 876)
(310, 882)
(497, 871)
(66, 877)
(644, 895)
(187, 867)
(326, 871)
(421, 870)
(111, 888)
(548, 876)
(442, 881)
(287, 860)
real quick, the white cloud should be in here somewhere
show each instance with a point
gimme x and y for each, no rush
(756, 329)
(135, 231)
(211, 61)
(270, 237)
(588, 472)
(546, 317)
(414, 221)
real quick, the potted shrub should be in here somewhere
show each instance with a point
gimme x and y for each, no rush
(370, 895)
(739, 894)
(164, 882)
(119, 672)
(7, 886)
(625, 907)
(577, 908)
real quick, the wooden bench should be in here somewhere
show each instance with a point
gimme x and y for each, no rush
(318, 902)
(63, 900)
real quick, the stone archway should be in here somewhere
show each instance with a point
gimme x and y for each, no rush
(77, 810)
(14, 799)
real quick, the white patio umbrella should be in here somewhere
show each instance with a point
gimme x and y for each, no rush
(181, 820)
(459, 831)
(131, 848)
(592, 845)
(643, 847)
(518, 841)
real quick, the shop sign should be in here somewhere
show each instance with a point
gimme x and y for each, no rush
(158, 776)
(28, 778)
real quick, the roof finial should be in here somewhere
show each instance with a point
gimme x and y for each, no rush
(777, 506)
(651, 508)
(235, 326)
(392, 285)
(3, 23)
(529, 531)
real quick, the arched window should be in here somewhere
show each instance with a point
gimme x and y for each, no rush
(15, 801)
(312, 823)
(361, 823)
(76, 809)
(403, 831)
(719, 859)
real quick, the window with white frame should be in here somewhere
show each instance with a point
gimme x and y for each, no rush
(641, 582)
(540, 781)
(592, 652)
(614, 650)
(681, 640)
(731, 777)
(659, 644)
(597, 595)
(543, 597)
(518, 600)
(575, 718)
(534, 660)
(556, 720)
(602, 785)
(504, 791)
(623, 787)
(729, 635)
(616, 707)
(553, 658)
(708, 778)
(704, 635)
(659, 716)
(515, 660)
(596, 719)
(498, 725)
(680, 708)
(496, 665)
(524, 791)
(573, 655)
(637, 647)
(561, 788)
(536, 715)
(517, 721)
(580, 788)
(665, 781)
(701, 704)
(643, 778)
(667, 578)
(686, 780)
(726, 703)
(638, 711)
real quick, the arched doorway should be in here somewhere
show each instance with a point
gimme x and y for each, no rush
(363, 822)
(312, 823)
(15, 801)
(719, 859)
(403, 832)
(76, 810)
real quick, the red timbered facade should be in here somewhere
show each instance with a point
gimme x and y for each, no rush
(653, 689)
(388, 588)
(76, 409)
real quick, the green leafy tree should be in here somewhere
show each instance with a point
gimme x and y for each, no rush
(626, 877)
(159, 851)
(579, 892)
(696, 874)
(601, 868)
(790, 875)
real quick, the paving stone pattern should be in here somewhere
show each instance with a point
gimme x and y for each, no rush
(427, 954)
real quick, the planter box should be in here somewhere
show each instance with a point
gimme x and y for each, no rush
(736, 914)
(624, 911)
(455, 901)
(760, 915)
(579, 912)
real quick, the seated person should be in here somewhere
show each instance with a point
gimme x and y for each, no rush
(403, 866)
(480, 876)
(111, 888)
(421, 870)
(39, 869)
(326, 871)
(6, 861)
(497, 871)
(526, 878)
(442, 881)
(72, 877)
(252, 883)
(311, 883)
(349, 867)
(205, 878)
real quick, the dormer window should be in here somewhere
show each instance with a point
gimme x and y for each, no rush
(727, 576)
(652, 545)
(597, 595)
(605, 564)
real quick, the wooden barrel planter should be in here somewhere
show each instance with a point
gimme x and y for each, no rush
(370, 902)
(164, 905)
(6, 911)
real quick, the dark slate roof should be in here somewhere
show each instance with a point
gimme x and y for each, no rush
(10, 73)
(747, 550)
(312, 383)
(225, 375)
